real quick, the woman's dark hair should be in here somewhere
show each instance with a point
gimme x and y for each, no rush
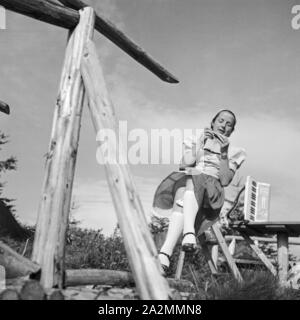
(216, 116)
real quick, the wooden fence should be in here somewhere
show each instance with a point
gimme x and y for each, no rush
(82, 78)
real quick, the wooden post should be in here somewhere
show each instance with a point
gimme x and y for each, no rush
(283, 256)
(180, 264)
(49, 242)
(232, 266)
(259, 253)
(215, 254)
(207, 254)
(140, 247)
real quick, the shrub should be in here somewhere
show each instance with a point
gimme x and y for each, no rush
(257, 285)
(91, 249)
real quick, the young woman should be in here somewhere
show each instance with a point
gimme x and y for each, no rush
(196, 192)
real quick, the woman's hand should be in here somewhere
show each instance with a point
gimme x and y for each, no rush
(224, 146)
(208, 134)
(224, 141)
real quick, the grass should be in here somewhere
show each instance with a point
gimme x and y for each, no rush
(91, 249)
(257, 285)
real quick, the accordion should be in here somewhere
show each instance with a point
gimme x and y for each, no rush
(257, 201)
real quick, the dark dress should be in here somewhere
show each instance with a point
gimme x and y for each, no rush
(208, 190)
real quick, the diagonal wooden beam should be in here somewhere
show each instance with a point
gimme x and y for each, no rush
(221, 241)
(43, 10)
(15, 264)
(211, 263)
(54, 206)
(259, 253)
(109, 30)
(139, 245)
(59, 15)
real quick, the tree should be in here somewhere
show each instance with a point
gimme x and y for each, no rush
(9, 225)
(6, 165)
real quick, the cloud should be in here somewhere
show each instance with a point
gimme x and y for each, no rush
(94, 204)
(270, 141)
(109, 10)
(272, 157)
(261, 86)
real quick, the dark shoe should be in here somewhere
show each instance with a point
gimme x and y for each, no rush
(189, 247)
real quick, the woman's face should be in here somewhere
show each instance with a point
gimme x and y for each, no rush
(224, 123)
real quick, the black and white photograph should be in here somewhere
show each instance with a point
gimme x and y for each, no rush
(149, 151)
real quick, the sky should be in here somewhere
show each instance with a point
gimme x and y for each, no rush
(236, 54)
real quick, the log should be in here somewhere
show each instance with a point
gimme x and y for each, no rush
(139, 245)
(84, 277)
(15, 264)
(54, 207)
(28, 288)
(32, 290)
(122, 41)
(65, 17)
(16, 283)
(43, 10)
(181, 285)
(4, 107)
(56, 295)
(9, 294)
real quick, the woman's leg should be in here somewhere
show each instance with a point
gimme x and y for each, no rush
(190, 209)
(174, 230)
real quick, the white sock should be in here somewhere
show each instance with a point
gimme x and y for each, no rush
(190, 209)
(174, 232)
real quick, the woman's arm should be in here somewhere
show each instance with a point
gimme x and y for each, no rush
(188, 159)
(189, 153)
(230, 162)
(226, 174)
